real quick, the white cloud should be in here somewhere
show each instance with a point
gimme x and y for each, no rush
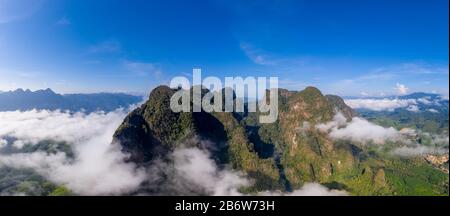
(424, 100)
(380, 104)
(365, 94)
(256, 55)
(437, 139)
(34, 126)
(401, 89)
(444, 97)
(358, 130)
(413, 108)
(3, 143)
(196, 166)
(388, 104)
(339, 120)
(98, 167)
(364, 132)
(433, 110)
(18, 144)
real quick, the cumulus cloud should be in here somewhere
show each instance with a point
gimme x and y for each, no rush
(34, 126)
(384, 104)
(361, 131)
(424, 101)
(365, 94)
(358, 130)
(413, 108)
(198, 168)
(256, 55)
(433, 110)
(3, 143)
(96, 169)
(390, 104)
(401, 89)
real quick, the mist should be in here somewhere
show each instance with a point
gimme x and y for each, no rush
(98, 168)
(360, 130)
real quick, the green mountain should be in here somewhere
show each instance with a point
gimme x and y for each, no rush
(153, 130)
(305, 154)
(282, 155)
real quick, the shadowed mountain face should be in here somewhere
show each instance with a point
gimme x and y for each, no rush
(276, 156)
(47, 99)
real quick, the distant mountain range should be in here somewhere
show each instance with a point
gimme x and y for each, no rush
(317, 138)
(415, 95)
(414, 102)
(47, 99)
(424, 111)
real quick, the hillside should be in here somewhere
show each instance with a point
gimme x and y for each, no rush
(280, 156)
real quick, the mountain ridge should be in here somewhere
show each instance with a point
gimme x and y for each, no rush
(413, 95)
(47, 99)
(152, 130)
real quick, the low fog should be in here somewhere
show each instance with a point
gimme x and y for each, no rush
(384, 104)
(359, 130)
(97, 167)
(363, 132)
(390, 104)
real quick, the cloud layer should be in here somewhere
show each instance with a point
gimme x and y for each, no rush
(401, 89)
(390, 104)
(380, 104)
(197, 167)
(358, 130)
(97, 167)
(361, 131)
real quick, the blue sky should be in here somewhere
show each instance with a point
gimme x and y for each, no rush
(350, 48)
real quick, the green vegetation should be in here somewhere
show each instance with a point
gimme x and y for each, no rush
(283, 155)
(61, 191)
(436, 123)
(310, 156)
(27, 182)
(288, 153)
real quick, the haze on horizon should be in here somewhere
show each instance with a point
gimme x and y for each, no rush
(369, 48)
